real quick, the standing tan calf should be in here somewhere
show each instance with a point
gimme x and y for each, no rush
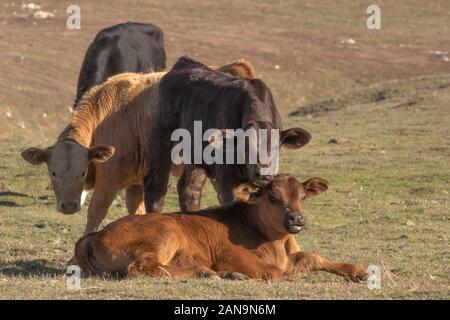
(244, 239)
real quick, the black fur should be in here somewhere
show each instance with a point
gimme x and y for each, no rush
(192, 92)
(126, 47)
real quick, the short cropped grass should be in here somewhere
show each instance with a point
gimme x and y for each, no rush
(388, 204)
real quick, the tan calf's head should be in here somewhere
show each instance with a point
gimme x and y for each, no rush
(280, 204)
(67, 163)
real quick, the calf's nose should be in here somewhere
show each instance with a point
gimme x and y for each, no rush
(70, 205)
(297, 219)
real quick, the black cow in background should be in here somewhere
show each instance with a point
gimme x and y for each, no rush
(126, 47)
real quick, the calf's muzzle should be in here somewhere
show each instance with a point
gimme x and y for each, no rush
(68, 207)
(294, 222)
(261, 180)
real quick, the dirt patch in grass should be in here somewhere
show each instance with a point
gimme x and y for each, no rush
(398, 94)
(297, 47)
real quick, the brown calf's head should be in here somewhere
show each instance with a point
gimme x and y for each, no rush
(67, 163)
(280, 203)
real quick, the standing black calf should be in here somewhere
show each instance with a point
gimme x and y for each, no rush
(192, 92)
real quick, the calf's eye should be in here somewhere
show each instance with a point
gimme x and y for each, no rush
(272, 199)
(53, 174)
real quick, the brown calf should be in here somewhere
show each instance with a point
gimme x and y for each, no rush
(244, 239)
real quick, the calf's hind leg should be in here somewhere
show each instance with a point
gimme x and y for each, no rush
(302, 262)
(147, 264)
(243, 262)
(190, 187)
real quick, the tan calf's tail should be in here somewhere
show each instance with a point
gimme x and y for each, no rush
(84, 252)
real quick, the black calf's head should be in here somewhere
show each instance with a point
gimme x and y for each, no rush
(257, 147)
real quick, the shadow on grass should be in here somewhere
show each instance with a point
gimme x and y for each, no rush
(9, 204)
(29, 268)
(12, 193)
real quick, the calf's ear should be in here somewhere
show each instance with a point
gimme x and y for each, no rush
(101, 152)
(294, 138)
(315, 186)
(35, 155)
(247, 193)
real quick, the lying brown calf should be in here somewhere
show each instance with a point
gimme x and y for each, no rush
(246, 238)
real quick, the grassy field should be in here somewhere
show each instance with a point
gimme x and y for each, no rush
(384, 99)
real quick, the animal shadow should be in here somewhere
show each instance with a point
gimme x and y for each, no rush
(9, 204)
(6, 203)
(29, 268)
(13, 193)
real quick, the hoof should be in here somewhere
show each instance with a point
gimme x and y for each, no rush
(235, 276)
(208, 275)
(359, 276)
(214, 277)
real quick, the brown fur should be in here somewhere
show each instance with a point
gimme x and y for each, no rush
(244, 239)
(239, 68)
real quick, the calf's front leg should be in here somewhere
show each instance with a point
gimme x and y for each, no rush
(303, 262)
(291, 245)
(135, 199)
(98, 208)
(157, 179)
